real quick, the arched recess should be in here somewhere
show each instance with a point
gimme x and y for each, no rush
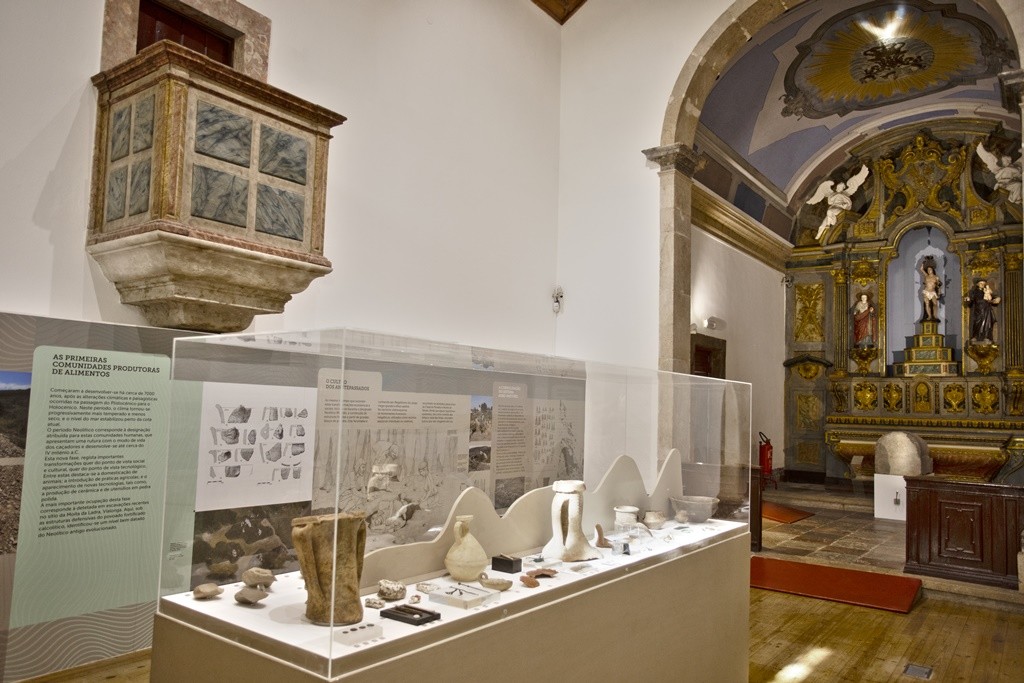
(909, 242)
(677, 160)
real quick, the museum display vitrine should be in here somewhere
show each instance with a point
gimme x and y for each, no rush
(341, 504)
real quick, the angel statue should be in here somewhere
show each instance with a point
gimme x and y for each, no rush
(1006, 172)
(838, 198)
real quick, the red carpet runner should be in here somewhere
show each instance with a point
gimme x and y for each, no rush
(881, 591)
(782, 513)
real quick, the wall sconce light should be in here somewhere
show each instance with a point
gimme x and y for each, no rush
(556, 299)
(713, 323)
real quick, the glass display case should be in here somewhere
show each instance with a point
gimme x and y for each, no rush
(333, 497)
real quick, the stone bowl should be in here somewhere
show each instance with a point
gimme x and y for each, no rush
(696, 508)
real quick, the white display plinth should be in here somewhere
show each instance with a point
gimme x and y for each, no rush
(657, 616)
(277, 626)
(890, 497)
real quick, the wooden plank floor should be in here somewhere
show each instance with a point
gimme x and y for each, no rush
(132, 668)
(802, 639)
(793, 638)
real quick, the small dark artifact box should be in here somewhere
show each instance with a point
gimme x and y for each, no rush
(507, 564)
(410, 615)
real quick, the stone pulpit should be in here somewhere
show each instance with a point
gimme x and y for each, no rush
(208, 190)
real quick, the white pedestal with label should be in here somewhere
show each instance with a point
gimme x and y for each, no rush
(890, 497)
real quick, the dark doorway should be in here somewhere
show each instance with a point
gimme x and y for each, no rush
(707, 356)
(157, 22)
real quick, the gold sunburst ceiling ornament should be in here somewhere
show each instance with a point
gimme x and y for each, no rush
(884, 52)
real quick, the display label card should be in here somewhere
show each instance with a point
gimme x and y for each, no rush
(255, 445)
(400, 457)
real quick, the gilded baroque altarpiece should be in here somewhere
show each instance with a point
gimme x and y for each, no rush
(888, 297)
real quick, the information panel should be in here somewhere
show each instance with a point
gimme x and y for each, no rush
(90, 483)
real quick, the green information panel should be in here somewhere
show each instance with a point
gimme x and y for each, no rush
(94, 469)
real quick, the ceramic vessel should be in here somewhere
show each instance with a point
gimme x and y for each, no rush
(625, 514)
(568, 542)
(466, 558)
(330, 551)
(681, 514)
(694, 508)
(654, 519)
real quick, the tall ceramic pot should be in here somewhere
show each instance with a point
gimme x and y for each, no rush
(568, 542)
(331, 547)
(466, 558)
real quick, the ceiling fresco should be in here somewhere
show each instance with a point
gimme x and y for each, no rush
(885, 54)
(826, 76)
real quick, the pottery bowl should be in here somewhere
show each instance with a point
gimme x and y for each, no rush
(697, 508)
(654, 519)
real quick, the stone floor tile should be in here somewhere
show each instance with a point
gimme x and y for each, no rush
(824, 537)
(830, 557)
(847, 537)
(840, 550)
(806, 545)
(863, 545)
(785, 550)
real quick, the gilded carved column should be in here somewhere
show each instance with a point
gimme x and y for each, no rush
(1012, 87)
(840, 336)
(1013, 315)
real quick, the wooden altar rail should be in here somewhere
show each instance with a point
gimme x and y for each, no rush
(964, 530)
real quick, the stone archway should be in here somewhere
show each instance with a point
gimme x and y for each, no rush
(677, 162)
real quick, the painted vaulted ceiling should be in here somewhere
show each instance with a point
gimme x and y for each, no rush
(830, 74)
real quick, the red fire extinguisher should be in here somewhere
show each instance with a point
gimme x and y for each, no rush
(765, 458)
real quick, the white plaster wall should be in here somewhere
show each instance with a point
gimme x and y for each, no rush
(751, 299)
(443, 190)
(442, 196)
(47, 120)
(619, 63)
